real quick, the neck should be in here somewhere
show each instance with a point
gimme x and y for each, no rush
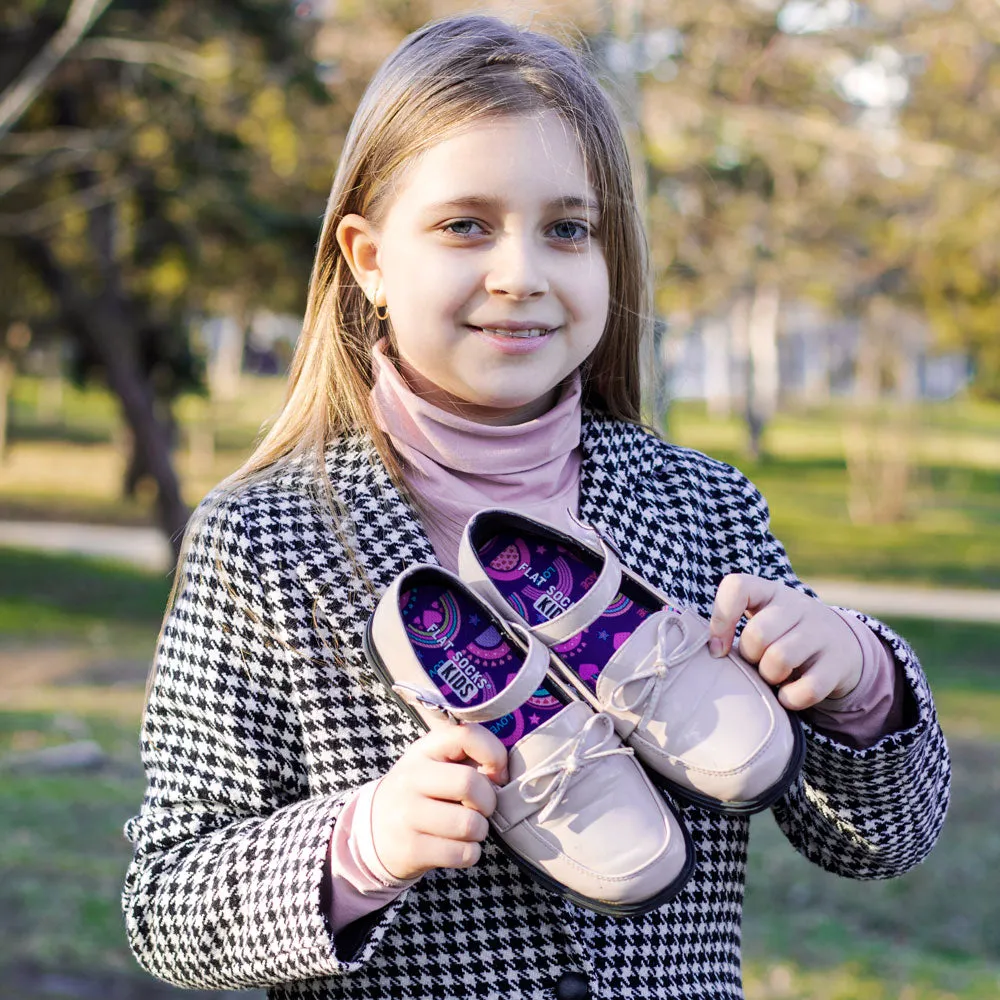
(496, 416)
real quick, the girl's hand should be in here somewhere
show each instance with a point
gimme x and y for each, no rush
(430, 810)
(798, 643)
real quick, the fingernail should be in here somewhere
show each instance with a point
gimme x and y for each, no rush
(715, 647)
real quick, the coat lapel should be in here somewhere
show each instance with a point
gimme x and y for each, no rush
(356, 557)
(624, 496)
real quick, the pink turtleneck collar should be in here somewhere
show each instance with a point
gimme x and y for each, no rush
(458, 466)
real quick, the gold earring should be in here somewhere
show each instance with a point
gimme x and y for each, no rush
(381, 312)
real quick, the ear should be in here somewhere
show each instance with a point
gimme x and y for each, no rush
(358, 241)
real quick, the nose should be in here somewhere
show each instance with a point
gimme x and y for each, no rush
(516, 269)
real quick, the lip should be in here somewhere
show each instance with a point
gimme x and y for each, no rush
(509, 345)
(514, 325)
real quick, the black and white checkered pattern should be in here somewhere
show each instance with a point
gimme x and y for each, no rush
(265, 715)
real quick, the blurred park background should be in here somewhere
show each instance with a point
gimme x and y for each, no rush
(821, 180)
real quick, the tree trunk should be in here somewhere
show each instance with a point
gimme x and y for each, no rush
(878, 443)
(103, 325)
(6, 384)
(762, 341)
(716, 339)
(226, 369)
(151, 437)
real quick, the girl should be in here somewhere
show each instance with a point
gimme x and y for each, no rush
(471, 340)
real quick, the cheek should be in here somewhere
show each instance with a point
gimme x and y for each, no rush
(593, 294)
(428, 284)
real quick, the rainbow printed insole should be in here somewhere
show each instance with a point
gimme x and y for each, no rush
(541, 579)
(467, 658)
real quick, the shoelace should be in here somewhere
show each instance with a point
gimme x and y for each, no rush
(662, 665)
(430, 699)
(566, 770)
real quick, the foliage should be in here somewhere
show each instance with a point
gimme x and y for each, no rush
(841, 151)
(173, 165)
(205, 128)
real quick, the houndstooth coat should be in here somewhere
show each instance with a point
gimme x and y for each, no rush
(264, 716)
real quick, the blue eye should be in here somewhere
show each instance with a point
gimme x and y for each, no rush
(463, 227)
(570, 230)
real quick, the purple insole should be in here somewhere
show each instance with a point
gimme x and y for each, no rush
(540, 579)
(466, 657)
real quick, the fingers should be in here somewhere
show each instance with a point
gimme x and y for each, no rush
(457, 783)
(766, 628)
(450, 821)
(738, 594)
(816, 683)
(800, 646)
(467, 743)
(430, 814)
(436, 852)
(795, 651)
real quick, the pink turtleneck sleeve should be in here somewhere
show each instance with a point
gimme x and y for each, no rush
(461, 466)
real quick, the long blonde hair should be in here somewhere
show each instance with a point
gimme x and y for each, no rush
(440, 79)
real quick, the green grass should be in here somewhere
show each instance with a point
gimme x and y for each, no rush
(63, 862)
(962, 663)
(808, 935)
(62, 856)
(64, 463)
(956, 655)
(47, 595)
(951, 532)
(90, 415)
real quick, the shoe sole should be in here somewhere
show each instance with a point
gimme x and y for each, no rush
(620, 910)
(688, 795)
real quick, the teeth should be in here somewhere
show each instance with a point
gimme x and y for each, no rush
(520, 334)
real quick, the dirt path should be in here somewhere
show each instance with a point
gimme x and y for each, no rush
(146, 547)
(912, 602)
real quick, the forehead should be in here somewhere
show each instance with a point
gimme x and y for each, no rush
(517, 160)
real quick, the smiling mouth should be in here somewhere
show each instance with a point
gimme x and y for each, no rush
(532, 334)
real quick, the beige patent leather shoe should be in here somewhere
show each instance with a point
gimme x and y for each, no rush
(578, 814)
(709, 729)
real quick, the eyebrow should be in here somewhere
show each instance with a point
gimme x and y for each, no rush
(479, 201)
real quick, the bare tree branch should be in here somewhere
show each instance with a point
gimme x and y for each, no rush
(52, 139)
(19, 95)
(24, 223)
(773, 122)
(40, 165)
(169, 57)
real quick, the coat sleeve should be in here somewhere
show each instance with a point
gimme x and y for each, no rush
(223, 891)
(873, 813)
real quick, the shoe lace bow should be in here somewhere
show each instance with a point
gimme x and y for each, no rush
(568, 768)
(655, 674)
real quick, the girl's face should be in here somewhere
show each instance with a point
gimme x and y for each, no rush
(491, 267)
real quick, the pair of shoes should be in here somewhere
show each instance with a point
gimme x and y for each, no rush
(577, 814)
(563, 654)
